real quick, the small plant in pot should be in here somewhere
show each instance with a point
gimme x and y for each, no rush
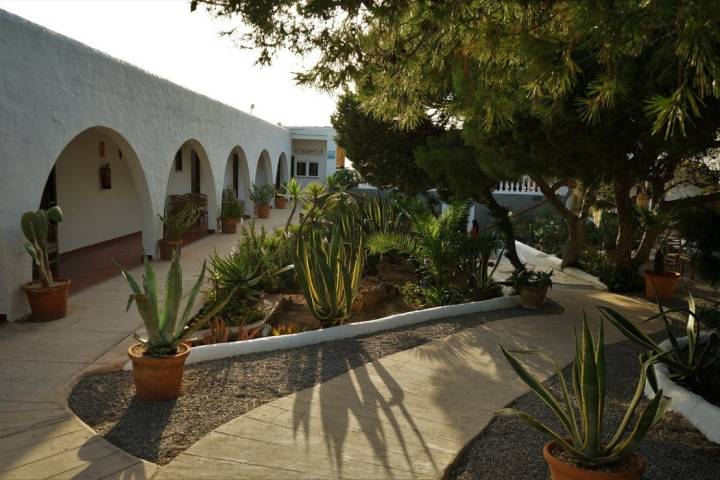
(231, 211)
(47, 295)
(583, 451)
(659, 283)
(532, 286)
(281, 200)
(175, 225)
(159, 360)
(262, 195)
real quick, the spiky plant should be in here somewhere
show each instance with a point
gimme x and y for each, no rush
(294, 191)
(687, 364)
(583, 436)
(166, 326)
(328, 272)
(35, 227)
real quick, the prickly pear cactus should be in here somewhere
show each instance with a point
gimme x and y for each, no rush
(35, 227)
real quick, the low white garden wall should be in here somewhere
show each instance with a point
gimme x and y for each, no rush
(295, 340)
(698, 411)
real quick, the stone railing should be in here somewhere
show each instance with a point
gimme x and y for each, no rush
(524, 186)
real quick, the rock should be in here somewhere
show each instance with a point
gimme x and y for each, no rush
(374, 296)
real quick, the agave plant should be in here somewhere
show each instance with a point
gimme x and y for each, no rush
(166, 327)
(585, 440)
(328, 272)
(686, 364)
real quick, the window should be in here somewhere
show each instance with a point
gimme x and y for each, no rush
(178, 161)
(301, 169)
(313, 169)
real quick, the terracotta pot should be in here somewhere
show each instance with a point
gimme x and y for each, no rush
(660, 285)
(281, 202)
(533, 297)
(564, 471)
(48, 303)
(158, 378)
(167, 247)
(229, 225)
(263, 211)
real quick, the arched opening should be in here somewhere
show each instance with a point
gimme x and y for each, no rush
(191, 181)
(100, 185)
(263, 172)
(283, 173)
(237, 176)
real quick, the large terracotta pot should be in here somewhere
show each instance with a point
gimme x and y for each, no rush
(281, 202)
(48, 303)
(533, 297)
(564, 471)
(660, 285)
(229, 225)
(263, 211)
(167, 247)
(158, 378)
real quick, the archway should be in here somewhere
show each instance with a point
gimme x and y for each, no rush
(100, 185)
(263, 172)
(283, 174)
(191, 180)
(237, 176)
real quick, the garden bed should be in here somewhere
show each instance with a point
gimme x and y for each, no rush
(509, 449)
(218, 391)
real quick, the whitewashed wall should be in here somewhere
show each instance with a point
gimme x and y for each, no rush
(52, 88)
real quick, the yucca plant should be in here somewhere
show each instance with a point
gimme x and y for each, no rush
(166, 326)
(687, 364)
(295, 192)
(583, 436)
(328, 272)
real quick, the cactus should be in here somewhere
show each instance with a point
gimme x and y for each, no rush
(35, 226)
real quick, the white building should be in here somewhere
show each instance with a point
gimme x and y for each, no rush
(69, 115)
(315, 155)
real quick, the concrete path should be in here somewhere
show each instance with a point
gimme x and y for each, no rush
(39, 436)
(406, 415)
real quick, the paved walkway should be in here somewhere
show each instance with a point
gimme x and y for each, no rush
(406, 415)
(403, 416)
(39, 436)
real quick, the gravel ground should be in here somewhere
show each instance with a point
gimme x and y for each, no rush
(512, 450)
(218, 391)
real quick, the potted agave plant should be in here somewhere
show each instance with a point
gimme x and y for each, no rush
(47, 296)
(159, 360)
(281, 200)
(262, 195)
(231, 211)
(583, 451)
(175, 224)
(532, 286)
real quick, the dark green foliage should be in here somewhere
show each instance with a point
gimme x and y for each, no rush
(547, 233)
(268, 253)
(236, 277)
(700, 227)
(345, 178)
(530, 278)
(619, 280)
(380, 152)
(231, 206)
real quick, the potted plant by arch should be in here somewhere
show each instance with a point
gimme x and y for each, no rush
(231, 211)
(175, 225)
(660, 284)
(532, 286)
(159, 360)
(262, 195)
(582, 451)
(47, 296)
(281, 200)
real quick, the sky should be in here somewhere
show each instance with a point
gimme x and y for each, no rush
(166, 39)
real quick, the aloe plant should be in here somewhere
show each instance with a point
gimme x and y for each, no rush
(583, 437)
(328, 272)
(686, 364)
(166, 326)
(35, 227)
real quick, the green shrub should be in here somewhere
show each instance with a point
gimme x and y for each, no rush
(269, 253)
(618, 280)
(547, 233)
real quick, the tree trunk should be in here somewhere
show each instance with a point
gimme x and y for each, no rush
(500, 214)
(624, 242)
(576, 241)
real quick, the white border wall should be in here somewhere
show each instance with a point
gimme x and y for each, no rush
(52, 88)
